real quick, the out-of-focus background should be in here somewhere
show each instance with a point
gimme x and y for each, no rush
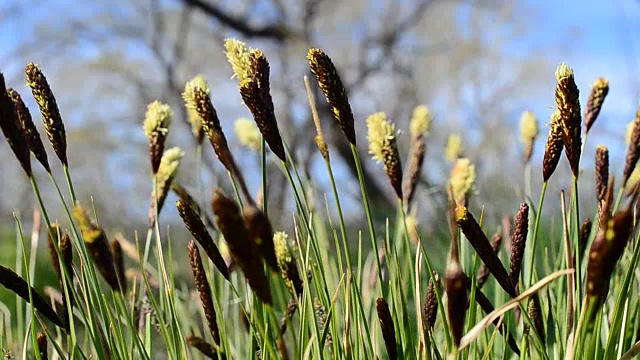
(477, 64)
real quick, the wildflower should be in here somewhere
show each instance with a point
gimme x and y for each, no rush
(454, 148)
(238, 56)
(156, 127)
(248, 133)
(382, 145)
(463, 176)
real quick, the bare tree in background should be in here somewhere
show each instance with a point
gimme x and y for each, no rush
(107, 59)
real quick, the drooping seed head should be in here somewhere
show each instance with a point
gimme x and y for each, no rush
(29, 129)
(383, 148)
(454, 148)
(420, 121)
(528, 133)
(602, 172)
(11, 129)
(568, 104)
(287, 263)
(199, 232)
(248, 134)
(599, 91)
(553, 148)
(463, 176)
(98, 247)
(192, 115)
(156, 128)
(243, 250)
(329, 81)
(202, 284)
(386, 324)
(237, 54)
(49, 109)
(518, 242)
(633, 151)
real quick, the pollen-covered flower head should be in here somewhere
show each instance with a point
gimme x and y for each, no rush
(169, 165)
(248, 133)
(454, 148)
(238, 56)
(628, 132)
(188, 96)
(157, 119)
(381, 135)
(463, 176)
(528, 127)
(421, 121)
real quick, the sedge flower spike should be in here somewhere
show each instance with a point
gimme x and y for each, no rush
(248, 134)
(463, 176)
(237, 54)
(382, 147)
(454, 149)
(156, 128)
(568, 105)
(192, 114)
(528, 133)
(420, 121)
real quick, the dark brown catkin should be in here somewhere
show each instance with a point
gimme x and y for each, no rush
(553, 148)
(602, 172)
(204, 347)
(454, 283)
(201, 235)
(19, 286)
(29, 130)
(633, 152)
(430, 310)
(476, 237)
(255, 92)
(568, 104)
(202, 284)
(483, 271)
(118, 261)
(49, 109)
(518, 243)
(585, 232)
(386, 324)
(416, 160)
(606, 250)
(535, 314)
(261, 232)
(242, 248)
(599, 91)
(329, 81)
(11, 128)
(185, 196)
(41, 339)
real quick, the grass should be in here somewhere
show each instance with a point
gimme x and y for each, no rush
(322, 293)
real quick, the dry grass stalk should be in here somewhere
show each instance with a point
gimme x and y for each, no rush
(553, 148)
(606, 250)
(383, 148)
(633, 152)
(430, 309)
(156, 128)
(185, 196)
(481, 244)
(118, 261)
(202, 284)
(19, 286)
(568, 104)
(483, 271)
(599, 91)
(261, 233)
(98, 246)
(602, 172)
(201, 235)
(386, 324)
(204, 347)
(29, 130)
(241, 247)
(49, 109)
(256, 95)
(167, 171)
(528, 133)
(41, 339)
(329, 81)
(11, 128)
(518, 242)
(287, 263)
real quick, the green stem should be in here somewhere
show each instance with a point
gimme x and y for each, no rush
(534, 237)
(67, 175)
(576, 238)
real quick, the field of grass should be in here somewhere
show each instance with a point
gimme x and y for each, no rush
(548, 285)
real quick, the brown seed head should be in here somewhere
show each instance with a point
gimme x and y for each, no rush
(98, 246)
(602, 172)
(568, 104)
(382, 145)
(599, 91)
(261, 233)
(430, 310)
(11, 128)
(606, 250)
(518, 242)
(185, 196)
(41, 339)
(454, 283)
(29, 129)
(472, 231)
(386, 324)
(483, 270)
(553, 149)
(416, 159)
(156, 128)
(242, 248)
(118, 261)
(327, 75)
(199, 232)
(49, 109)
(167, 171)
(535, 314)
(585, 232)
(204, 347)
(287, 263)
(202, 284)
(633, 152)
